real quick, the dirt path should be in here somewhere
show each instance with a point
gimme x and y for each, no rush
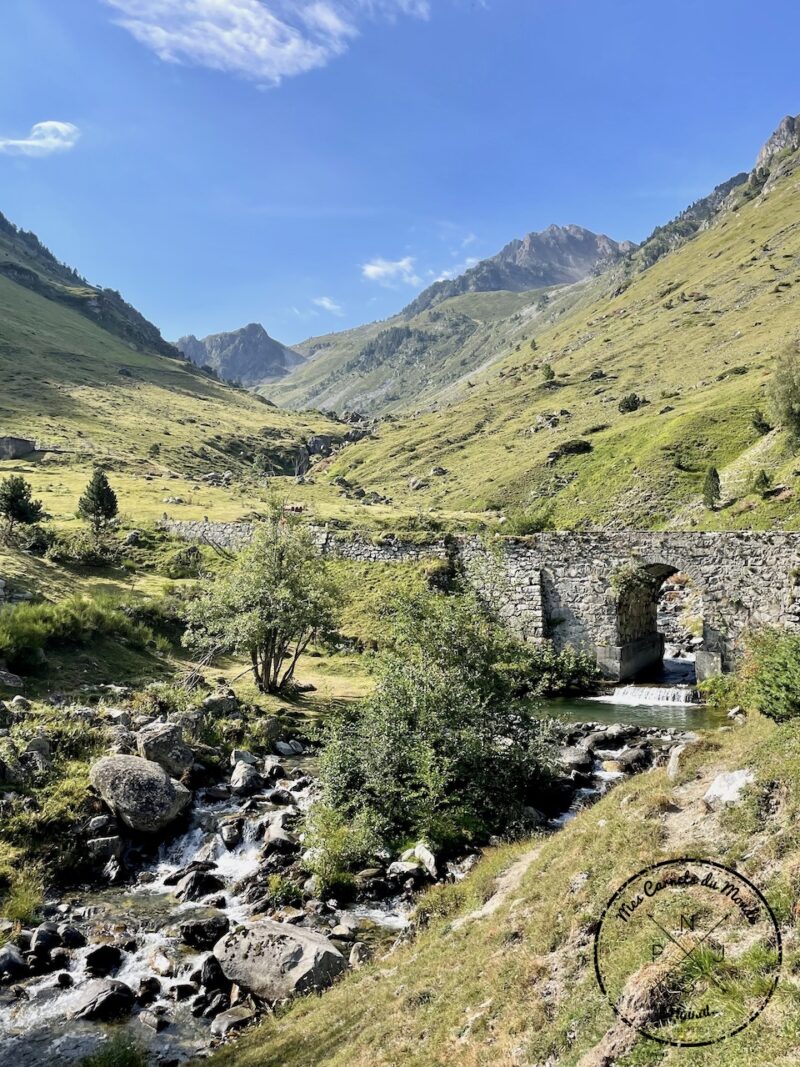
(506, 884)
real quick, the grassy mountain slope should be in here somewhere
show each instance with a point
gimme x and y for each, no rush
(695, 335)
(515, 984)
(419, 360)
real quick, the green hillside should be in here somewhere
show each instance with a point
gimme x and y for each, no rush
(695, 335)
(423, 360)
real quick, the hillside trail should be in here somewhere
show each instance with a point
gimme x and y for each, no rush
(506, 884)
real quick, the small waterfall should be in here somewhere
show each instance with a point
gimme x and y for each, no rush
(651, 694)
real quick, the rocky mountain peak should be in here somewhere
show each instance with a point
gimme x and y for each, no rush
(787, 135)
(248, 355)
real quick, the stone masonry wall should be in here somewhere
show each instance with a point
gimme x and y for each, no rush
(557, 586)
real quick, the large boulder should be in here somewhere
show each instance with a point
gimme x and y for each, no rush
(162, 742)
(727, 788)
(104, 999)
(275, 960)
(139, 792)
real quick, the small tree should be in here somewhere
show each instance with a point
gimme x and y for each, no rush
(547, 372)
(17, 505)
(762, 483)
(98, 505)
(711, 488)
(784, 391)
(272, 600)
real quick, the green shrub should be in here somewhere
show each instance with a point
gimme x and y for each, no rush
(24, 898)
(28, 630)
(338, 845)
(535, 520)
(185, 563)
(84, 549)
(720, 692)
(546, 672)
(443, 749)
(282, 893)
(771, 674)
(631, 402)
(784, 390)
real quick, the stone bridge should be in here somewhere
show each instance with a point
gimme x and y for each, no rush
(598, 591)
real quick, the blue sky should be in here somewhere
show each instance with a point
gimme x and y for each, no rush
(312, 164)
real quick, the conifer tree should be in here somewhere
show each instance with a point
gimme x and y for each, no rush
(98, 505)
(17, 505)
(711, 488)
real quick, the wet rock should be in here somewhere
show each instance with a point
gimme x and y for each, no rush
(198, 884)
(274, 960)
(245, 780)
(232, 1019)
(162, 742)
(634, 759)
(154, 1021)
(103, 849)
(139, 792)
(272, 769)
(182, 990)
(212, 977)
(278, 840)
(280, 796)
(104, 999)
(204, 933)
(162, 964)
(71, 936)
(195, 865)
(149, 990)
(426, 858)
(219, 1002)
(65, 980)
(231, 833)
(575, 759)
(12, 964)
(199, 1005)
(102, 960)
(240, 755)
(283, 748)
(45, 938)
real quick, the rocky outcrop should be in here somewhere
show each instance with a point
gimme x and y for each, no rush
(276, 960)
(162, 742)
(139, 792)
(104, 999)
(787, 135)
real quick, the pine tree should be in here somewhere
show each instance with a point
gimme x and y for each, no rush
(547, 372)
(98, 505)
(711, 488)
(17, 504)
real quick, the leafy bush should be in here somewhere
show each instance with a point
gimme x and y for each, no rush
(84, 549)
(443, 749)
(185, 563)
(337, 845)
(771, 674)
(282, 893)
(26, 630)
(720, 692)
(534, 520)
(549, 673)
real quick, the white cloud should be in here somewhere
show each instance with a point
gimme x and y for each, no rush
(457, 268)
(327, 304)
(391, 271)
(44, 138)
(263, 41)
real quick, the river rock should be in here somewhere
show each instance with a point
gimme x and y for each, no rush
(45, 938)
(139, 791)
(245, 779)
(102, 960)
(275, 960)
(102, 849)
(727, 788)
(204, 933)
(198, 884)
(232, 1019)
(104, 999)
(162, 742)
(576, 759)
(12, 963)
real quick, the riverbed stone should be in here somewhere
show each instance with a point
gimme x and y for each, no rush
(232, 1019)
(162, 742)
(276, 960)
(102, 960)
(245, 779)
(204, 933)
(139, 792)
(104, 999)
(12, 963)
(198, 884)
